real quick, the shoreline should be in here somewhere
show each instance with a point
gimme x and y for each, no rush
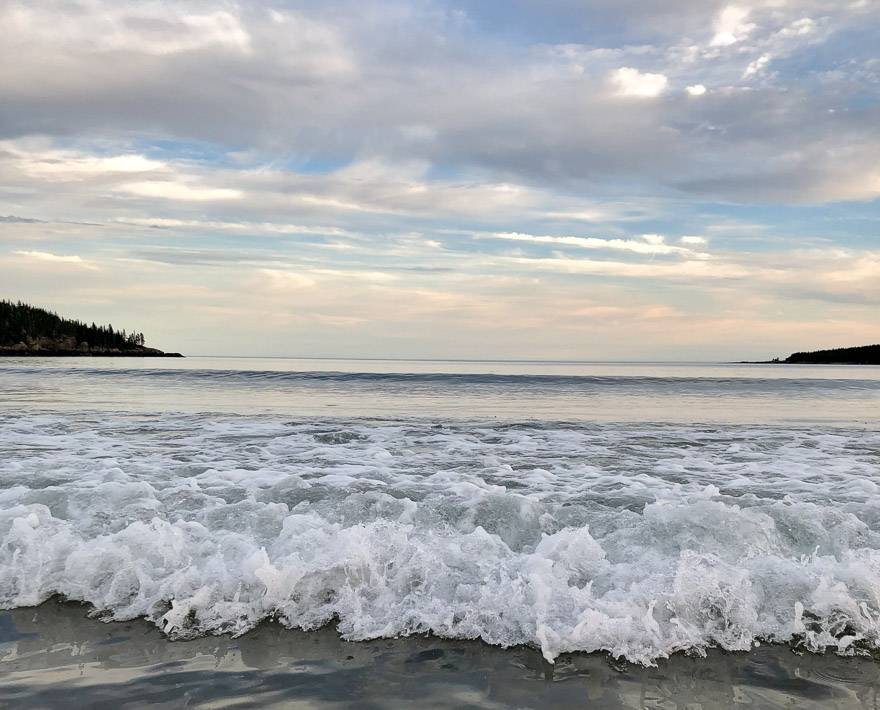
(810, 364)
(76, 353)
(54, 655)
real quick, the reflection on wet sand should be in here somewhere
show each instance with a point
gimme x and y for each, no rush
(54, 656)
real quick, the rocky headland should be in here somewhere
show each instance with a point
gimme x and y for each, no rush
(27, 330)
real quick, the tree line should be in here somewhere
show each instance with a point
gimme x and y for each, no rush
(20, 322)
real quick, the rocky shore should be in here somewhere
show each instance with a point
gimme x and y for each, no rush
(48, 347)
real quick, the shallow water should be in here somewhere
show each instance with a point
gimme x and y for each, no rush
(639, 510)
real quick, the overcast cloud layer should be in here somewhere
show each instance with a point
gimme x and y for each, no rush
(554, 179)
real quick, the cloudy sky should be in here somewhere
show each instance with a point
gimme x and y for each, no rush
(576, 179)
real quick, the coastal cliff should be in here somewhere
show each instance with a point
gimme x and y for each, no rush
(27, 330)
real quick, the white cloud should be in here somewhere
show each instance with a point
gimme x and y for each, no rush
(578, 215)
(55, 258)
(700, 269)
(731, 26)
(799, 28)
(693, 240)
(652, 244)
(631, 82)
(147, 28)
(756, 66)
(36, 159)
(173, 190)
(696, 90)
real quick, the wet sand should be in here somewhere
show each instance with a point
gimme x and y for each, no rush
(54, 656)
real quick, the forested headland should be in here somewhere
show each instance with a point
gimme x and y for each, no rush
(28, 330)
(862, 355)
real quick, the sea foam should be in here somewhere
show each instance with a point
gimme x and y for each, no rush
(639, 540)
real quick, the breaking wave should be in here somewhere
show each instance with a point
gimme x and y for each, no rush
(636, 539)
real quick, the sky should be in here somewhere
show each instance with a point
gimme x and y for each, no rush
(553, 179)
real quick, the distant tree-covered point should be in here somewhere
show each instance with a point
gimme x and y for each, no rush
(28, 330)
(863, 355)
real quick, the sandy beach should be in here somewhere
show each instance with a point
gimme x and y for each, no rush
(54, 656)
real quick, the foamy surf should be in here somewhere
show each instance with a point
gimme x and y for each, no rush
(635, 539)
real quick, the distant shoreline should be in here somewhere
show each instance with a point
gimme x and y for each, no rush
(10, 352)
(785, 362)
(861, 355)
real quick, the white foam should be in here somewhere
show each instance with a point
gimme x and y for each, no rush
(633, 539)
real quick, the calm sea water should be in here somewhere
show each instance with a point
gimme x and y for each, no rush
(639, 509)
(649, 392)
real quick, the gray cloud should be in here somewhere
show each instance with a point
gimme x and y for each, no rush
(435, 82)
(13, 219)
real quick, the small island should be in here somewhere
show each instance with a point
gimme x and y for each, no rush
(27, 330)
(862, 355)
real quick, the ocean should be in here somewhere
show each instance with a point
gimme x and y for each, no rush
(643, 511)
